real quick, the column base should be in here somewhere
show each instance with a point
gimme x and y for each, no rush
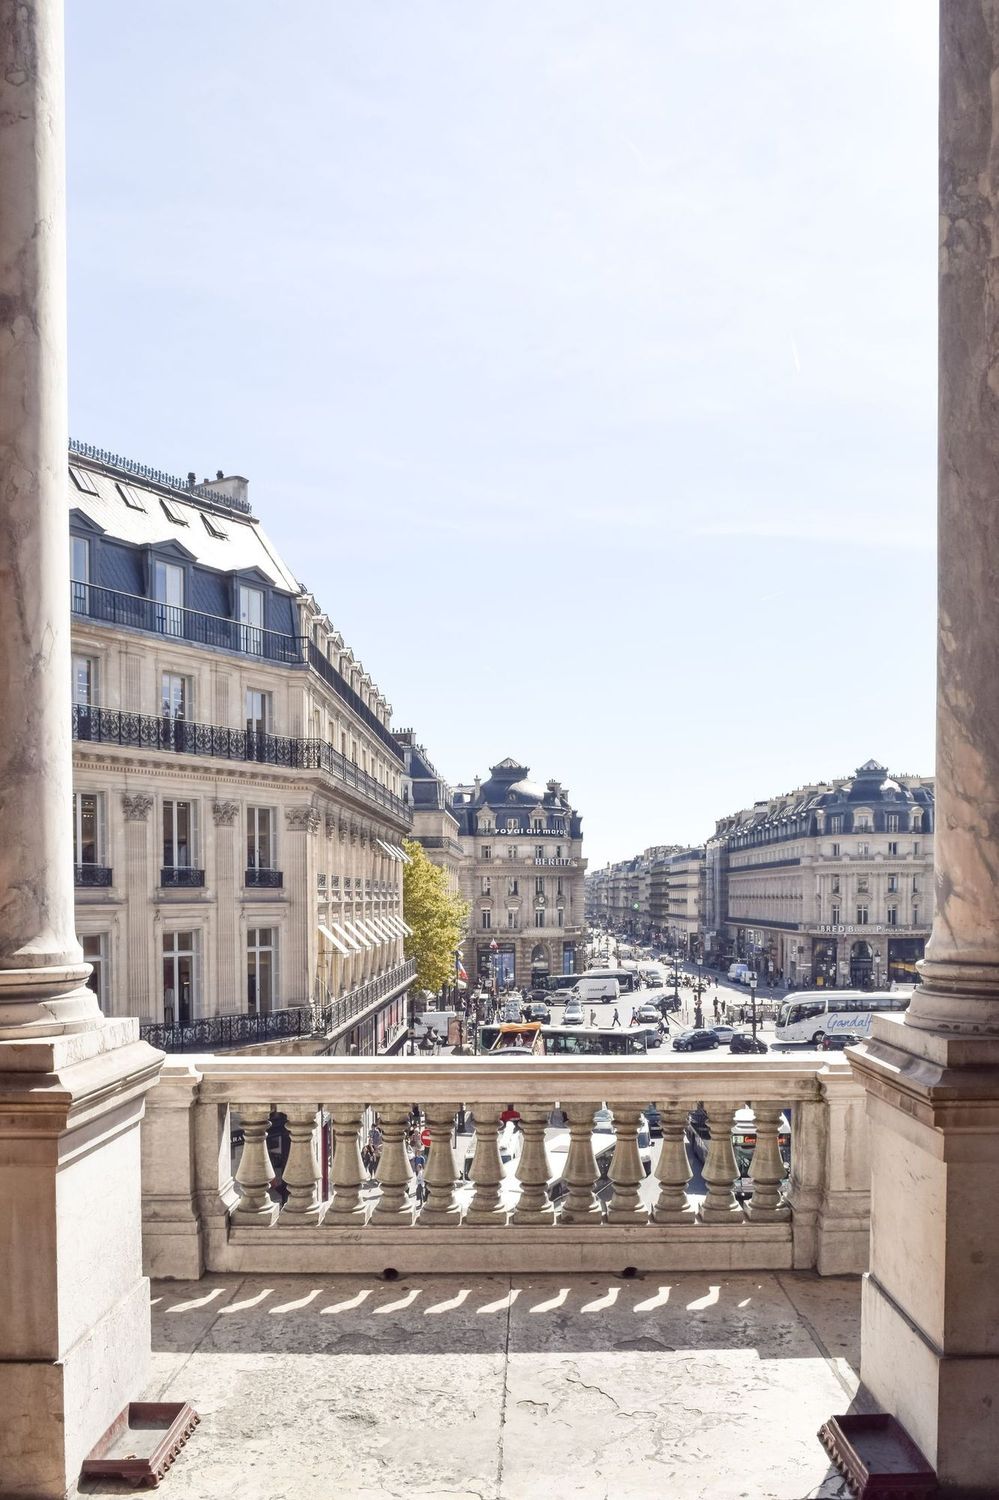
(53, 1000)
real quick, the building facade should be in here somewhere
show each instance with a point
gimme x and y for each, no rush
(684, 891)
(435, 825)
(831, 884)
(238, 803)
(522, 875)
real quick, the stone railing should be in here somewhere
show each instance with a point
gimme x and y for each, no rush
(210, 1204)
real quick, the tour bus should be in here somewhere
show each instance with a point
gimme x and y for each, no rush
(627, 979)
(561, 1041)
(809, 1017)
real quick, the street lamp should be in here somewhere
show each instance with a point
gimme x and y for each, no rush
(752, 1000)
(676, 979)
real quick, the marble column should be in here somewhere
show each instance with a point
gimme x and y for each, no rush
(74, 1305)
(930, 1337)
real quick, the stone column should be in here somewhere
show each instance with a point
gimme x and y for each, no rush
(229, 996)
(74, 1306)
(931, 1298)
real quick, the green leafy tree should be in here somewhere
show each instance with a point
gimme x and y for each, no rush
(436, 916)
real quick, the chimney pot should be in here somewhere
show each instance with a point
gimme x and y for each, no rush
(191, 477)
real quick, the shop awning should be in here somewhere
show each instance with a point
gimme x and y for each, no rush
(357, 934)
(396, 926)
(380, 925)
(369, 929)
(394, 852)
(353, 945)
(332, 938)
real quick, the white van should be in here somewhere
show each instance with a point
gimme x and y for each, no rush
(739, 973)
(602, 991)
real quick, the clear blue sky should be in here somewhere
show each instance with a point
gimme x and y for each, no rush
(581, 358)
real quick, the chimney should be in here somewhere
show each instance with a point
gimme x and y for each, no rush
(232, 486)
(192, 479)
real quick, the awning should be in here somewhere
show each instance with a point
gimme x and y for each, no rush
(394, 852)
(353, 945)
(406, 927)
(387, 847)
(356, 933)
(332, 938)
(380, 925)
(395, 924)
(368, 929)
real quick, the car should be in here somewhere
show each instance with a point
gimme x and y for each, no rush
(537, 1010)
(652, 1035)
(603, 1124)
(835, 1041)
(649, 1012)
(696, 1041)
(573, 1014)
(724, 1032)
(511, 1011)
(744, 1041)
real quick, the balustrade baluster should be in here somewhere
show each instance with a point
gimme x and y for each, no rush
(767, 1167)
(347, 1173)
(672, 1205)
(255, 1172)
(720, 1170)
(441, 1172)
(487, 1169)
(626, 1170)
(581, 1205)
(395, 1175)
(301, 1173)
(533, 1170)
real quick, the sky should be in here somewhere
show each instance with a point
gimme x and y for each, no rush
(581, 358)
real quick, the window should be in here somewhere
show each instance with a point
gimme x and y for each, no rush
(260, 839)
(536, 825)
(83, 480)
(251, 620)
(180, 976)
(487, 885)
(558, 887)
(915, 885)
(834, 851)
(487, 853)
(539, 917)
(168, 591)
(836, 823)
(834, 916)
(79, 570)
(487, 920)
(172, 513)
(915, 847)
(893, 848)
(129, 496)
(261, 953)
(863, 850)
(213, 528)
(178, 835)
(863, 884)
(892, 916)
(915, 914)
(539, 885)
(176, 696)
(539, 851)
(560, 917)
(862, 916)
(891, 822)
(85, 681)
(511, 852)
(892, 884)
(257, 705)
(88, 828)
(513, 888)
(511, 917)
(95, 953)
(835, 885)
(558, 851)
(917, 821)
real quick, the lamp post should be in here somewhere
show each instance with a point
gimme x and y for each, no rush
(699, 991)
(752, 1000)
(676, 980)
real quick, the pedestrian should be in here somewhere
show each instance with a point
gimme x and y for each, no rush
(593, 1018)
(375, 1137)
(615, 1019)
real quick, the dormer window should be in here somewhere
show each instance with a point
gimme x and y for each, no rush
(251, 620)
(172, 513)
(83, 481)
(129, 496)
(214, 530)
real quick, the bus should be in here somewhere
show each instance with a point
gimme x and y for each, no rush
(627, 979)
(809, 1017)
(560, 1041)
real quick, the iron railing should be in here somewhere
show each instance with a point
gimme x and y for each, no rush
(183, 489)
(336, 680)
(91, 875)
(113, 607)
(111, 726)
(181, 877)
(271, 880)
(215, 1033)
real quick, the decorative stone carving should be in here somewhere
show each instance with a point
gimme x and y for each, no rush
(224, 813)
(331, 825)
(136, 806)
(303, 819)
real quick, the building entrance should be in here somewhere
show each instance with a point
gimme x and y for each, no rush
(861, 966)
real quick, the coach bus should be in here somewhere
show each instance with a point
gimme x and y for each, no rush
(809, 1017)
(563, 1041)
(627, 979)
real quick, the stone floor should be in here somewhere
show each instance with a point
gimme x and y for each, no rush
(506, 1388)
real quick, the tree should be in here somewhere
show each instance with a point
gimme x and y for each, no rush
(437, 918)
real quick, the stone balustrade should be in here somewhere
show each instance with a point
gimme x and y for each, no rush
(208, 1206)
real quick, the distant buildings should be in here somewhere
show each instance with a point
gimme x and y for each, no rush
(435, 825)
(831, 883)
(522, 874)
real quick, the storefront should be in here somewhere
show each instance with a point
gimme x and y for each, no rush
(903, 955)
(824, 962)
(497, 964)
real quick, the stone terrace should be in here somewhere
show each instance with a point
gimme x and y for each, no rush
(697, 1386)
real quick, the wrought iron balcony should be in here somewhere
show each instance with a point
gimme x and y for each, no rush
(91, 876)
(113, 607)
(263, 879)
(181, 877)
(109, 726)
